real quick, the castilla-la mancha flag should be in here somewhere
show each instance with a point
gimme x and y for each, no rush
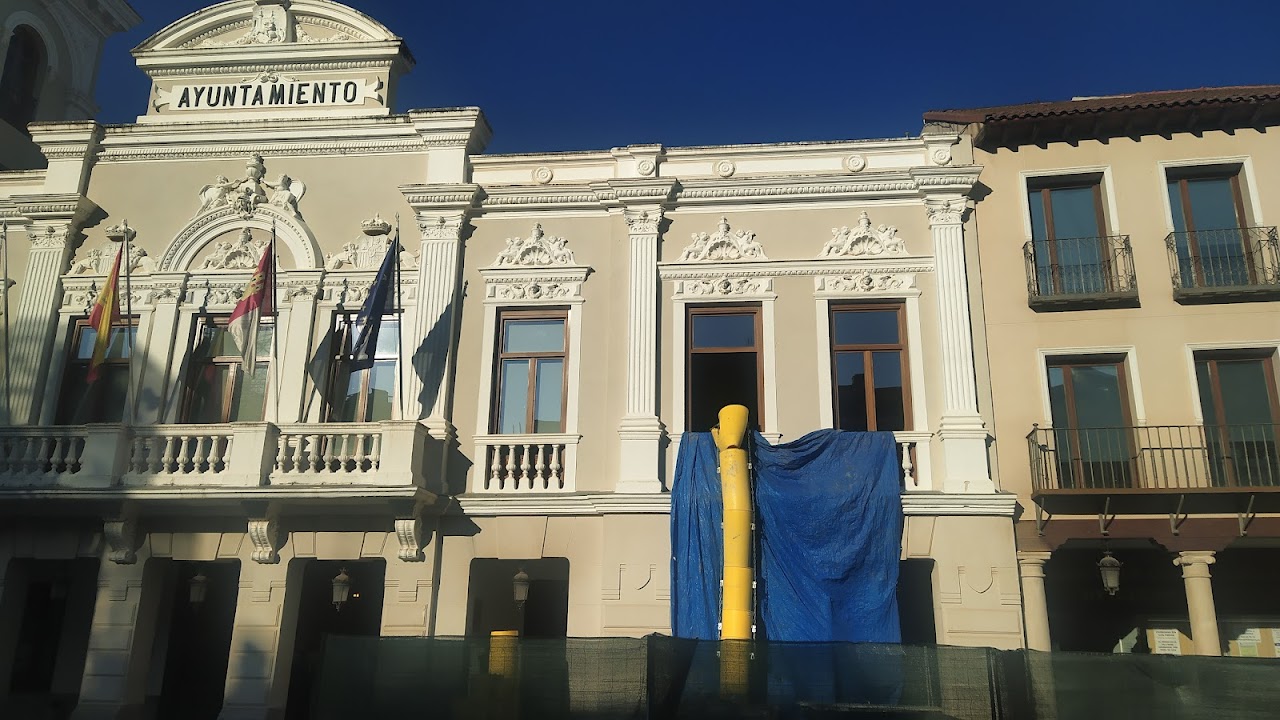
(257, 301)
(105, 313)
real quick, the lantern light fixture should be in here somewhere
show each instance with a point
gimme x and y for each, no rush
(1109, 568)
(197, 589)
(341, 589)
(520, 588)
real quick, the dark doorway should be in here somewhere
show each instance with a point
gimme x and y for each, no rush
(199, 639)
(52, 606)
(319, 617)
(491, 597)
(915, 602)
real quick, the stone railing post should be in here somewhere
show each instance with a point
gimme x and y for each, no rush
(403, 451)
(105, 457)
(253, 454)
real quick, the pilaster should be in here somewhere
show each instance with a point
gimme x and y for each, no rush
(1035, 607)
(962, 430)
(406, 601)
(298, 290)
(1200, 607)
(262, 636)
(157, 345)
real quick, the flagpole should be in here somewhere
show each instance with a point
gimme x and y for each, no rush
(275, 318)
(130, 395)
(4, 261)
(400, 322)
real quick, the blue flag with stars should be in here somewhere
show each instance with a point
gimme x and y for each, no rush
(378, 303)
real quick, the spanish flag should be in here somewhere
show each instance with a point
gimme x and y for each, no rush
(106, 312)
(257, 301)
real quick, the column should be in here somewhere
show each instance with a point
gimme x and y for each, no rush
(1035, 607)
(36, 316)
(261, 655)
(156, 347)
(298, 295)
(1204, 619)
(120, 640)
(640, 429)
(963, 433)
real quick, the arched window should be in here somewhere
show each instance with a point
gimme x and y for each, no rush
(20, 83)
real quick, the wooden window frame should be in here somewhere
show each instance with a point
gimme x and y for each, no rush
(1044, 187)
(1222, 428)
(753, 309)
(76, 366)
(340, 361)
(1181, 176)
(1073, 425)
(495, 410)
(867, 349)
(233, 361)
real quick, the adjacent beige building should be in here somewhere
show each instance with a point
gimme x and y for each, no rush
(565, 318)
(1130, 274)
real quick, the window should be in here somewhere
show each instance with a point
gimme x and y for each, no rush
(1209, 224)
(531, 373)
(20, 83)
(364, 392)
(219, 389)
(1241, 416)
(1068, 235)
(869, 360)
(723, 365)
(1089, 401)
(104, 401)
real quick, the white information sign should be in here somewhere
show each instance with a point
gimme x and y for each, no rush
(1168, 642)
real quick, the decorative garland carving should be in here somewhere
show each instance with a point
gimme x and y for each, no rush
(945, 212)
(725, 287)
(864, 283)
(440, 227)
(863, 239)
(724, 245)
(244, 253)
(98, 260)
(247, 193)
(537, 250)
(645, 222)
(534, 290)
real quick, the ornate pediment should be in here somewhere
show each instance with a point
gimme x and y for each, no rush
(367, 251)
(863, 240)
(243, 253)
(246, 193)
(97, 261)
(537, 250)
(725, 245)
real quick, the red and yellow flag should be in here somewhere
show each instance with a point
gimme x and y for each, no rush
(256, 302)
(106, 312)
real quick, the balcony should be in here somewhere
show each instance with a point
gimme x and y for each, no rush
(1224, 265)
(1080, 273)
(366, 461)
(1158, 469)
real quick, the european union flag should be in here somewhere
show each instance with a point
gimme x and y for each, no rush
(369, 320)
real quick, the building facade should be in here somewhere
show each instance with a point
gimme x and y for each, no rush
(1130, 279)
(561, 320)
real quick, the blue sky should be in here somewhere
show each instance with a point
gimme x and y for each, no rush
(569, 75)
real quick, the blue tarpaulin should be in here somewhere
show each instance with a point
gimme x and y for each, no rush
(828, 530)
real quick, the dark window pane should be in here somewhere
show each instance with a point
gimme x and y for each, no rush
(347, 405)
(388, 339)
(513, 407)
(1096, 391)
(1058, 397)
(248, 402)
(866, 327)
(1213, 203)
(719, 379)
(851, 391)
(533, 336)
(547, 405)
(887, 373)
(208, 392)
(724, 331)
(1246, 399)
(1039, 226)
(1204, 381)
(1176, 208)
(382, 388)
(1075, 214)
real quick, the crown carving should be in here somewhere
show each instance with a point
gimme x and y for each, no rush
(243, 253)
(725, 245)
(538, 249)
(863, 239)
(247, 193)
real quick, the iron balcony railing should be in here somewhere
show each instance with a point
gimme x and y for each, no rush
(1080, 270)
(1220, 262)
(1157, 457)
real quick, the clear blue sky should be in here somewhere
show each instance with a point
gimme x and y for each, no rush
(569, 74)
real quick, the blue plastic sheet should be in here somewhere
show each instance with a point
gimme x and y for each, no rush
(828, 531)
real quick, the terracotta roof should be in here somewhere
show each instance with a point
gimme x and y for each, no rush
(1112, 103)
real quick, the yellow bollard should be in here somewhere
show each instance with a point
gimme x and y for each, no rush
(736, 610)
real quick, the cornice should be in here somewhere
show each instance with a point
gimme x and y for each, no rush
(302, 148)
(64, 207)
(567, 504)
(282, 66)
(782, 188)
(448, 196)
(999, 504)
(946, 180)
(786, 268)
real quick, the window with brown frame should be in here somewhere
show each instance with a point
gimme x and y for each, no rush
(723, 364)
(1241, 413)
(1089, 400)
(532, 360)
(103, 401)
(869, 367)
(1068, 234)
(363, 392)
(1210, 226)
(219, 389)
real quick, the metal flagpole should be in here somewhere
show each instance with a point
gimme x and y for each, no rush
(275, 318)
(8, 383)
(129, 393)
(400, 323)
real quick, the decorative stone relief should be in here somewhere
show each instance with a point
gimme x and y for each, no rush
(941, 156)
(722, 246)
(724, 286)
(864, 283)
(537, 250)
(409, 534)
(945, 212)
(122, 540)
(646, 167)
(265, 536)
(543, 175)
(98, 261)
(725, 168)
(644, 222)
(53, 238)
(366, 252)
(863, 239)
(855, 163)
(243, 253)
(534, 290)
(440, 227)
(244, 194)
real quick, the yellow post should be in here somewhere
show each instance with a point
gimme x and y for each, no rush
(735, 613)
